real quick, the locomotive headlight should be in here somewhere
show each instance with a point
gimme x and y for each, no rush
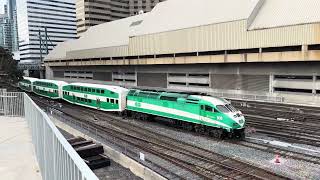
(241, 121)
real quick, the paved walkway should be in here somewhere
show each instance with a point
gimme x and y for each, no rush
(17, 155)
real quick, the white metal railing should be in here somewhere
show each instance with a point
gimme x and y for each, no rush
(2, 91)
(56, 157)
(11, 103)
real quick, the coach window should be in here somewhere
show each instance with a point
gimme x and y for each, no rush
(85, 89)
(81, 88)
(89, 89)
(71, 87)
(98, 91)
(102, 91)
(108, 100)
(117, 102)
(93, 90)
(89, 100)
(112, 101)
(78, 98)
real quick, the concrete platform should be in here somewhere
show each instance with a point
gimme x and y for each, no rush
(17, 154)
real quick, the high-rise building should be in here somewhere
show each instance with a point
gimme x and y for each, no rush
(1, 31)
(94, 12)
(145, 5)
(41, 25)
(11, 7)
(12, 15)
(5, 31)
(8, 26)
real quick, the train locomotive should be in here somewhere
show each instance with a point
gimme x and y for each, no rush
(195, 112)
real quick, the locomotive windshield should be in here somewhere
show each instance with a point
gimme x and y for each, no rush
(223, 109)
(226, 108)
(231, 108)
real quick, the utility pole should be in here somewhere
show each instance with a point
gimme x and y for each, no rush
(40, 45)
(46, 40)
(43, 42)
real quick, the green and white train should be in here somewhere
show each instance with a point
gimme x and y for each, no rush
(26, 84)
(201, 113)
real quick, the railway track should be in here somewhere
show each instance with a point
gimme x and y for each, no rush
(275, 110)
(281, 151)
(201, 162)
(287, 131)
(296, 124)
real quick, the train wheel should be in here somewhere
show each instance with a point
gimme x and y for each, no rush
(187, 126)
(240, 135)
(144, 117)
(199, 129)
(217, 133)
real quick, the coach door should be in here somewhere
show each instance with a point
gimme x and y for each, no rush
(98, 103)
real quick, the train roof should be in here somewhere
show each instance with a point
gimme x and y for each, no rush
(187, 95)
(214, 100)
(31, 79)
(117, 89)
(52, 81)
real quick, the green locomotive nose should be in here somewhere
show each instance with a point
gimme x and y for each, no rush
(236, 121)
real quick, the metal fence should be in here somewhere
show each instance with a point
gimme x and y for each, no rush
(247, 95)
(2, 92)
(11, 103)
(252, 97)
(56, 157)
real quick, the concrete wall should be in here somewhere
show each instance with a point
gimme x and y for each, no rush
(152, 79)
(240, 78)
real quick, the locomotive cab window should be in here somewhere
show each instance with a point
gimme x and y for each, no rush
(102, 91)
(209, 108)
